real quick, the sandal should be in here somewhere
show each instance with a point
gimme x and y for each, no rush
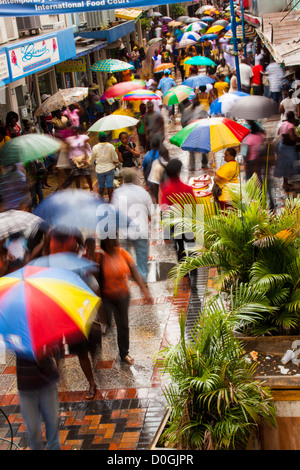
(129, 360)
(90, 395)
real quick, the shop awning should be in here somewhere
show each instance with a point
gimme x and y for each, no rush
(128, 13)
(86, 46)
(109, 35)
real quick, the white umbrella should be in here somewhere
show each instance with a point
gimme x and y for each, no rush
(62, 98)
(188, 39)
(113, 122)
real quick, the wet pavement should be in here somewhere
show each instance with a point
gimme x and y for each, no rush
(129, 404)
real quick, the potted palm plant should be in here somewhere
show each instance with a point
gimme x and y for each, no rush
(214, 401)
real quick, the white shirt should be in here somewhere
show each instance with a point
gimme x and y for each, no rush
(275, 76)
(134, 202)
(246, 74)
(149, 83)
(105, 156)
(290, 104)
(157, 61)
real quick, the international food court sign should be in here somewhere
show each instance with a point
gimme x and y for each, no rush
(48, 7)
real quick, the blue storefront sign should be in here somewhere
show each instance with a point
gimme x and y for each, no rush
(35, 54)
(48, 7)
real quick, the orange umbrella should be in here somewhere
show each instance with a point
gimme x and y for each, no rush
(162, 67)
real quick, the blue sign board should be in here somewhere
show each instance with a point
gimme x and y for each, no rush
(51, 7)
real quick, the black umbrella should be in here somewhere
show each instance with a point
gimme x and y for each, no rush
(254, 107)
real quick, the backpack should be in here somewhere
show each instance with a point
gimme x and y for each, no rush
(36, 167)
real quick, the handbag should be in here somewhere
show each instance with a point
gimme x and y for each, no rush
(82, 161)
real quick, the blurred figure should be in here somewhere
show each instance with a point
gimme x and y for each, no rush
(246, 76)
(221, 85)
(37, 387)
(154, 125)
(105, 158)
(158, 173)
(12, 127)
(127, 153)
(135, 201)
(150, 157)
(286, 152)
(253, 141)
(227, 175)
(289, 103)
(140, 127)
(80, 156)
(275, 76)
(115, 267)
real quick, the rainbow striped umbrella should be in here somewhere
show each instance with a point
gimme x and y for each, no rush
(111, 65)
(210, 135)
(142, 95)
(41, 306)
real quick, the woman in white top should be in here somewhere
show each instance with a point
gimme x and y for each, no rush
(289, 104)
(105, 157)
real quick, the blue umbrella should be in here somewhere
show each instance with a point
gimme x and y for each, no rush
(223, 105)
(82, 210)
(66, 260)
(197, 81)
(210, 37)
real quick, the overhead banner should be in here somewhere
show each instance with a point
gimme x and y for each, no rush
(50, 7)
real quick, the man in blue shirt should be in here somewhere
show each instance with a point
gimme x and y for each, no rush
(165, 84)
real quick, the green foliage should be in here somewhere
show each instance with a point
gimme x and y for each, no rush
(176, 10)
(215, 402)
(248, 244)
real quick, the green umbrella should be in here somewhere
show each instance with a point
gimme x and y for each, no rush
(200, 60)
(110, 66)
(154, 41)
(27, 148)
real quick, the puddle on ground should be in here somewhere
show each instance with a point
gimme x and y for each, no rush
(159, 270)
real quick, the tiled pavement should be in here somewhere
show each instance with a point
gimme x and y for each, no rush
(129, 404)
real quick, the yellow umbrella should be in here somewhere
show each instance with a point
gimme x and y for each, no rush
(215, 29)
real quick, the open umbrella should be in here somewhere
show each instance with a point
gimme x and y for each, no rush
(210, 135)
(204, 8)
(122, 88)
(207, 18)
(176, 95)
(199, 26)
(154, 14)
(174, 23)
(110, 66)
(187, 39)
(41, 306)
(223, 105)
(197, 81)
(28, 147)
(221, 22)
(167, 19)
(113, 122)
(164, 66)
(182, 18)
(249, 32)
(253, 107)
(14, 221)
(79, 209)
(200, 60)
(215, 29)
(210, 37)
(62, 98)
(191, 20)
(67, 260)
(140, 95)
(154, 41)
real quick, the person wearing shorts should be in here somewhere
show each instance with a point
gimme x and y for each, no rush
(105, 157)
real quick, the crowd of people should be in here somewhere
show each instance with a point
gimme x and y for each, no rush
(136, 165)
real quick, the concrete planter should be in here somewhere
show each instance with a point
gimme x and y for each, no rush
(286, 396)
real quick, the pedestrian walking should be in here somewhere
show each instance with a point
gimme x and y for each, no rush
(154, 125)
(105, 158)
(131, 198)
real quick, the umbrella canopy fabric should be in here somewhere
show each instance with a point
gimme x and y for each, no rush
(28, 147)
(210, 135)
(189, 36)
(154, 41)
(174, 23)
(191, 20)
(210, 37)
(197, 81)
(182, 18)
(162, 67)
(215, 29)
(176, 95)
(113, 122)
(67, 260)
(204, 8)
(254, 107)
(41, 306)
(14, 221)
(167, 19)
(207, 18)
(62, 98)
(110, 66)
(140, 95)
(154, 14)
(221, 22)
(223, 105)
(200, 60)
(249, 32)
(199, 26)
(79, 209)
(122, 88)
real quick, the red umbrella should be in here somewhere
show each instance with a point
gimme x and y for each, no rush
(123, 88)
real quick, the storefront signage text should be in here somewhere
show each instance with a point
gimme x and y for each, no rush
(75, 65)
